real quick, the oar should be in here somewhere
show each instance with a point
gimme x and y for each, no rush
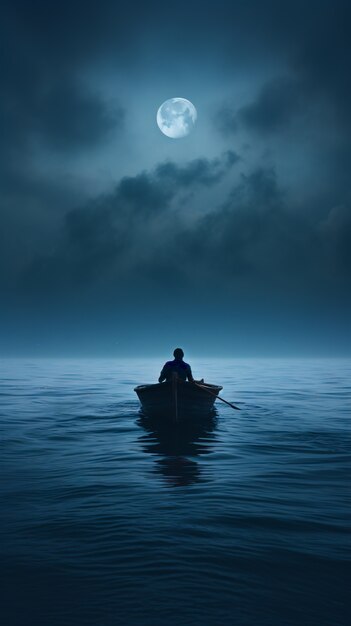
(217, 397)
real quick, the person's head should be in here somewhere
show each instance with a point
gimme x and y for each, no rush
(178, 353)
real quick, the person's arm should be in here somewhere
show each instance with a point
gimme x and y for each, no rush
(163, 375)
(189, 374)
(191, 378)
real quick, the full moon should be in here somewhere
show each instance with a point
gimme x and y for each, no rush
(176, 117)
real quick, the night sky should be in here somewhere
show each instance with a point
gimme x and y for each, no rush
(117, 240)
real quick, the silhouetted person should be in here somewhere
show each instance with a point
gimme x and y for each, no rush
(178, 366)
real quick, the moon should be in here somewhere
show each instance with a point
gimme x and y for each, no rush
(176, 117)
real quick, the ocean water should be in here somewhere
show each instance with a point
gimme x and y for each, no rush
(108, 520)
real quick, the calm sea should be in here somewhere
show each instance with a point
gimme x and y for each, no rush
(107, 520)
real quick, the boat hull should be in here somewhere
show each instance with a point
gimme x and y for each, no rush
(192, 400)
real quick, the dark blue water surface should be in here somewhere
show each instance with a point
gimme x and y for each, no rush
(108, 519)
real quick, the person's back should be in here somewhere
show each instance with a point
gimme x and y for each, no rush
(178, 366)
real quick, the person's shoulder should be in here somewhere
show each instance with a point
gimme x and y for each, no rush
(168, 363)
(187, 365)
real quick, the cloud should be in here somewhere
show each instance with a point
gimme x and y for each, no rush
(132, 241)
(45, 98)
(252, 238)
(278, 102)
(68, 117)
(200, 171)
(315, 55)
(60, 113)
(48, 110)
(125, 233)
(263, 236)
(312, 88)
(323, 60)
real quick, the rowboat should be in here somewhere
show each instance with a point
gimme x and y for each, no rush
(177, 399)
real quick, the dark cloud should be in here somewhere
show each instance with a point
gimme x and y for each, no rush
(323, 59)
(69, 117)
(47, 109)
(255, 241)
(316, 53)
(45, 50)
(61, 113)
(200, 171)
(260, 237)
(258, 242)
(278, 103)
(123, 233)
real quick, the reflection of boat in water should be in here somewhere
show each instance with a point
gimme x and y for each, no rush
(176, 446)
(177, 399)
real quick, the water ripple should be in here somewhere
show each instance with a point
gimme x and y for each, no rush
(113, 518)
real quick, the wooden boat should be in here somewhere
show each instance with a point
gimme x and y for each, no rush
(177, 399)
